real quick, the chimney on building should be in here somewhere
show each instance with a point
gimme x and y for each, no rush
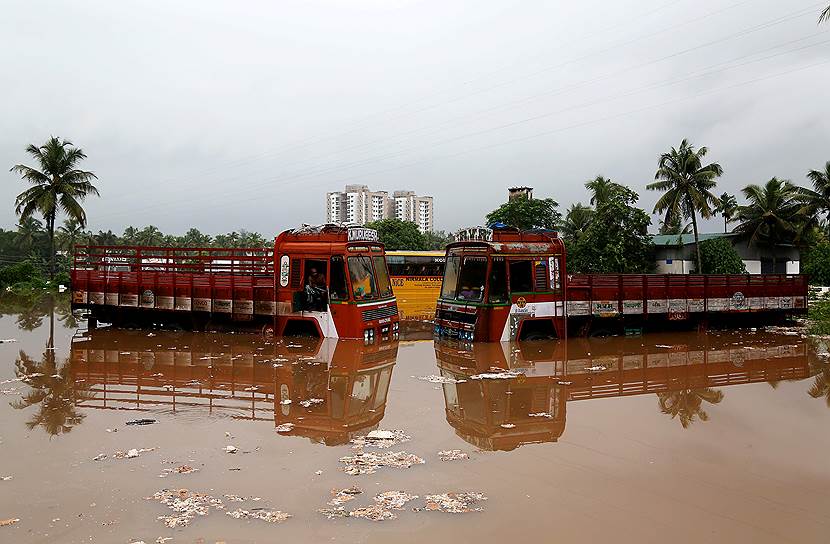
(519, 192)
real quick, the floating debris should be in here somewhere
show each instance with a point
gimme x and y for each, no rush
(285, 402)
(131, 454)
(271, 516)
(141, 422)
(507, 426)
(186, 504)
(369, 462)
(341, 496)
(8, 341)
(310, 402)
(285, 428)
(596, 368)
(237, 498)
(10, 521)
(332, 513)
(374, 512)
(501, 375)
(100, 457)
(541, 414)
(454, 503)
(231, 449)
(393, 500)
(452, 455)
(381, 439)
(432, 378)
(184, 469)
(5, 478)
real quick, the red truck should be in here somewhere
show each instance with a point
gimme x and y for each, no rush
(507, 284)
(327, 281)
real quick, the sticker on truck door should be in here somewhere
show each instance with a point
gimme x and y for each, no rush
(284, 269)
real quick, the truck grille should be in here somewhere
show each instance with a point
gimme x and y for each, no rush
(380, 313)
(459, 317)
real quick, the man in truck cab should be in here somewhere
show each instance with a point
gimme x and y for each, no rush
(316, 292)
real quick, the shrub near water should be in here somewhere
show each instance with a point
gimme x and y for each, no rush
(817, 264)
(717, 256)
(23, 272)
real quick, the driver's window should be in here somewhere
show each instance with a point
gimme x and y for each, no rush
(338, 290)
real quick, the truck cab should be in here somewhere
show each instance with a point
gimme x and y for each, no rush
(502, 285)
(333, 282)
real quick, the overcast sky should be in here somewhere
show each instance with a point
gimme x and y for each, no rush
(227, 115)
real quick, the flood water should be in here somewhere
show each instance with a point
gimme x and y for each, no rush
(681, 437)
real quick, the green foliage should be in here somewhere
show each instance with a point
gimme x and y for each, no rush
(617, 240)
(817, 263)
(602, 189)
(437, 240)
(397, 235)
(819, 315)
(527, 213)
(772, 214)
(23, 272)
(727, 207)
(577, 219)
(718, 256)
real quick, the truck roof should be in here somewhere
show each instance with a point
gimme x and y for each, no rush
(511, 240)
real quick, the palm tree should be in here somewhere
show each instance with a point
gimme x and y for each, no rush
(825, 15)
(69, 234)
(688, 403)
(130, 236)
(194, 238)
(727, 206)
(772, 213)
(687, 185)
(28, 232)
(817, 199)
(107, 238)
(150, 236)
(57, 186)
(577, 219)
(675, 228)
(602, 189)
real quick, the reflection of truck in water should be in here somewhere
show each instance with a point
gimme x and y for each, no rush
(507, 284)
(530, 406)
(337, 388)
(325, 281)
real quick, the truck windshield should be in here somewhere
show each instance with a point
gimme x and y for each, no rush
(472, 278)
(382, 276)
(450, 282)
(363, 280)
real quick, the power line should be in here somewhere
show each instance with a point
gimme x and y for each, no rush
(613, 47)
(707, 71)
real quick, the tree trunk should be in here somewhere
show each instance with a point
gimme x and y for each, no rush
(50, 224)
(724, 224)
(697, 243)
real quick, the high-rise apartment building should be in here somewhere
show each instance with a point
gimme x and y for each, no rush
(407, 206)
(358, 205)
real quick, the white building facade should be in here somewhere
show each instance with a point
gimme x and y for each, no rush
(358, 205)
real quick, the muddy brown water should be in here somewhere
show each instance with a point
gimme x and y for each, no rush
(722, 437)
